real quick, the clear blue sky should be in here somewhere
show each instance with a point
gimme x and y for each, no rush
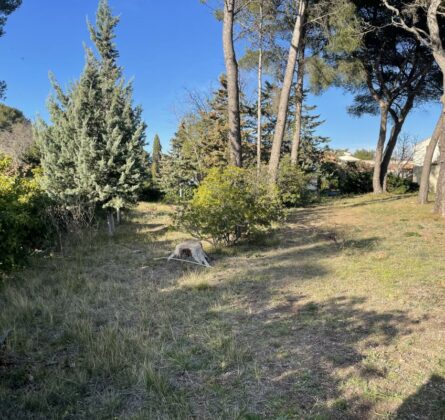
(167, 46)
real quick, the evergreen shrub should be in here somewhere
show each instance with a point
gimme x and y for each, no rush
(293, 184)
(229, 205)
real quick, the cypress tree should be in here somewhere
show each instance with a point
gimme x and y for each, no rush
(93, 151)
(156, 158)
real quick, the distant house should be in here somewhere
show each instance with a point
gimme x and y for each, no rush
(347, 157)
(401, 168)
(418, 157)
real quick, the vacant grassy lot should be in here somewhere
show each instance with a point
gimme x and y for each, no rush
(340, 314)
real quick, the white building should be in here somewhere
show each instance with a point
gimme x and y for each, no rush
(418, 157)
(347, 157)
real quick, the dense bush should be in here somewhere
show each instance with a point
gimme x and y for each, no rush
(349, 178)
(293, 184)
(22, 213)
(150, 192)
(231, 204)
(356, 178)
(398, 185)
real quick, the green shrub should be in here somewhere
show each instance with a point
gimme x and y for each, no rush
(22, 213)
(231, 204)
(349, 178)
(398, 185)
(293, 184)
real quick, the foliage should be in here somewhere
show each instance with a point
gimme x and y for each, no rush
(200, 143)
(398, 185)
(181, 169)
(93, 151)
(22, 212)
(364, 154)
(156, 158)
(10, 116)
(346, 178)
(231, 204)
(6, 8)
(364, 53)
(311, 144)
(356, 178)
(150, 193)
(17, 139)
(388, 70)
(293, 184)
(202, 139)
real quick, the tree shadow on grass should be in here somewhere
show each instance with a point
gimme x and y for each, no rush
(376, 201)
(288, 358)
(428, 403)
(319, 339)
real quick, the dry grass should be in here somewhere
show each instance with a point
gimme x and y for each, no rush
(340, 315)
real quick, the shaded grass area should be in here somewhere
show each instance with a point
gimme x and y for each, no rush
(338, 315)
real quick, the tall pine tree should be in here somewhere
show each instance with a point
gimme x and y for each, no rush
(93, 151)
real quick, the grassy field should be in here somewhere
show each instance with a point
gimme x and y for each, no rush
(339, 314)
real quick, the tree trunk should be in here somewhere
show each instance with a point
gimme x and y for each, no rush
(285, 92)
(260, 91)
(427, 162)
(377, 184)
(299, 92)
(118, 216)
(110, 222)
(395, 132)
(232, 84)
(439, 55)
(397, 127)
(439, 206)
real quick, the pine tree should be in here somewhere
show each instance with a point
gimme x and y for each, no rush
(156, 158)
(93, 151)
(66, 145)
(202, 143)
(181, 170)
(311, 145)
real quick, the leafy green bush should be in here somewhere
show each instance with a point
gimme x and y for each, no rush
(398, 185)
(293, 184)
(231, 204)
(22, 213)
